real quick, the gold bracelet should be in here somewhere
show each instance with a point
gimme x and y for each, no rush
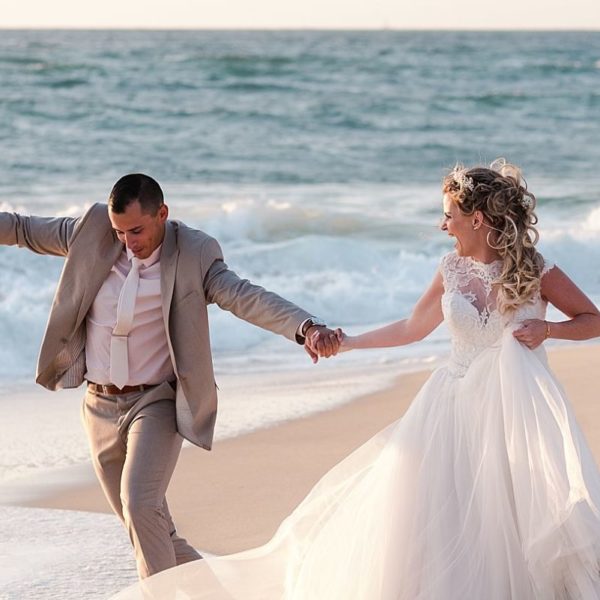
(547, 330)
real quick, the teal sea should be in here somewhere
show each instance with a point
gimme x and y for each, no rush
(314, 157)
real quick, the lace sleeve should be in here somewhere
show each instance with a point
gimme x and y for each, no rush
(548, 266)
(446, 269)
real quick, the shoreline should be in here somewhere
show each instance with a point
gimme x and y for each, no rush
(218, 498)
(235, 496)
(248, 403)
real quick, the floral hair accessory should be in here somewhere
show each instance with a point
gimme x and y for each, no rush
(464, 181)
(526, 202)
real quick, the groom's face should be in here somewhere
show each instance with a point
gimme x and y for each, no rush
(140, 231)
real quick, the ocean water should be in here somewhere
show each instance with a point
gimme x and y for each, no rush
(314, 157)
(58, 555)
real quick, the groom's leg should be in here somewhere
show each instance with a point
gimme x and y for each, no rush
(183, 551)
(153, 446)
(107, 447)
(103, 418)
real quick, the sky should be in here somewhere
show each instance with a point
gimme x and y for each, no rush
(327, 14)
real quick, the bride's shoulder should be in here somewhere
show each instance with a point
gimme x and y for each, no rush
(452, 262)
(546, 264)
(453, 269)
(450, 258)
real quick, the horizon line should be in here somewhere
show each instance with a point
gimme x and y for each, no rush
(299, 29)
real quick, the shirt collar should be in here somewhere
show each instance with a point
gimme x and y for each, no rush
(146, 262)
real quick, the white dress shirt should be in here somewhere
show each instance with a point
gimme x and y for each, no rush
(149, 359)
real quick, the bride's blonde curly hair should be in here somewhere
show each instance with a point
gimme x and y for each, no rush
(501, 194)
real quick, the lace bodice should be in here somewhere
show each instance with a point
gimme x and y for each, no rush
(470, 309)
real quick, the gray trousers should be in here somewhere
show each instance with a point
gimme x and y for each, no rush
(135, 445)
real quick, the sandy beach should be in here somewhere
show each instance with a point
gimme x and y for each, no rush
(61, 542)
(235, 496)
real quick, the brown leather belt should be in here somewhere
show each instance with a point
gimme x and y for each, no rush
(111, 389)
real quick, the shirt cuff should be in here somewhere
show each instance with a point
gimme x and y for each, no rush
(301, 327)
(299, 337)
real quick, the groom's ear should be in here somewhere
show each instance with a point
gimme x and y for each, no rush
(163, 213)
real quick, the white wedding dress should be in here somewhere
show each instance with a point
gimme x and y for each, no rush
(484, 490)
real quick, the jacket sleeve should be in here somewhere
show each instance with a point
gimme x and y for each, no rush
(42, 235)
(246, 300)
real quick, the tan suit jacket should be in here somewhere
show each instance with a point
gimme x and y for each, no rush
(193, 275)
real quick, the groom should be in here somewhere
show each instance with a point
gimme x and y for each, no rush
(129, 317)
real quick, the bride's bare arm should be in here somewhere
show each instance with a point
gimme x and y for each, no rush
(584, 317)
(425, 317)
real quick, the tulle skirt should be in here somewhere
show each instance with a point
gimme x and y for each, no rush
(484, 490)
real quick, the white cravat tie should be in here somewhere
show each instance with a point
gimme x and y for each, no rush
(119, 359)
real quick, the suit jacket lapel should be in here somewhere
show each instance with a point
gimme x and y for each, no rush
(108, 252)
(168, 268)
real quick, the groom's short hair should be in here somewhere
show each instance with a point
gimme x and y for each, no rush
(136, 186)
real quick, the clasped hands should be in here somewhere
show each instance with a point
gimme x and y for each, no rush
(322, 342)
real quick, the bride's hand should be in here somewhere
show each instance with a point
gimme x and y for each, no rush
(532, 333)
(344, 340)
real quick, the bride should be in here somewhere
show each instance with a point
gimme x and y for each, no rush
(486, 488)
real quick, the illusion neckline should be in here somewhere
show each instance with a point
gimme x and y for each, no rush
(479, 262)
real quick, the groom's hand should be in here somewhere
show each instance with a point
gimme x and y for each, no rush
(321, 342)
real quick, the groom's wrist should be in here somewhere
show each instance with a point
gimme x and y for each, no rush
(309, 323)
(305, 326)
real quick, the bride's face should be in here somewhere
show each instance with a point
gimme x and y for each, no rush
(459, 226)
